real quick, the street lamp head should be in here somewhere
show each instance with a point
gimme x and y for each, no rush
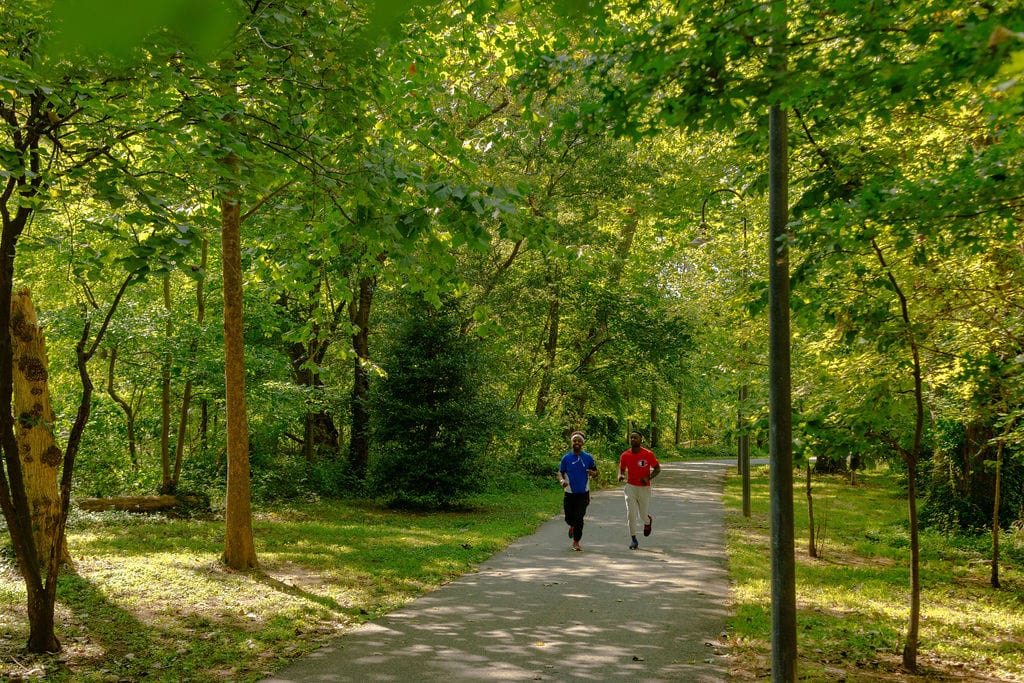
(702, 235)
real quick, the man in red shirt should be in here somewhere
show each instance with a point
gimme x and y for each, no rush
(638, 466)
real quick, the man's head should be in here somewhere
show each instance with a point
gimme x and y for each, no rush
(577, 441)
(635, 440)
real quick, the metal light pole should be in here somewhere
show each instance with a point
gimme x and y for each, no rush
(742, 439)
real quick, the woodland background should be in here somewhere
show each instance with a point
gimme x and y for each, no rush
(465, 229)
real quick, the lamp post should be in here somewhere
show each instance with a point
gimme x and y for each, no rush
(742, 439)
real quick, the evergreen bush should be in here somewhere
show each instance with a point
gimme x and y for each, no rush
(432, 418)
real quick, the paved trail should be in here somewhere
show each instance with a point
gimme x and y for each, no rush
(540, 612)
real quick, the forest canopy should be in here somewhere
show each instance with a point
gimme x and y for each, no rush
(591, 197)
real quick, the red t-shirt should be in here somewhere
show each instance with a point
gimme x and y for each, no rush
(638, 465)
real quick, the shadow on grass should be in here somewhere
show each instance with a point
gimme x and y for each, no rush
(93, 632)
(853, 601)
(330, 603)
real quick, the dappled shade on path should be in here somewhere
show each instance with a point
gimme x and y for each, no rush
(539, 611)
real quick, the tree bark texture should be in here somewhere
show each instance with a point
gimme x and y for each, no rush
(40, 456)
(239, 548)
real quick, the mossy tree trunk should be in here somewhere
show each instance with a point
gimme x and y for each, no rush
(40, 456)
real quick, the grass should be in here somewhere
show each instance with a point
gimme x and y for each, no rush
(149, 598)
(853, 601)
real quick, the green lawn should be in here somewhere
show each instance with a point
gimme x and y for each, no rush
(853, 600)
(150, 600)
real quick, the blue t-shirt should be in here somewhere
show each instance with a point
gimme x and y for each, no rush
(575, 469)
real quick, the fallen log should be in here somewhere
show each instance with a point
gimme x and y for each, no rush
(142, 503)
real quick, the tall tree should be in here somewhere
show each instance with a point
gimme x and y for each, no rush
(239, 547)
(40, 454)
(56, 124)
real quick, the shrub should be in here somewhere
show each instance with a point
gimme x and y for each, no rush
(432, 419)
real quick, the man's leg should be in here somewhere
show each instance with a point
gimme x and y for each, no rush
(632, 508)
(643, 496)
(575, 507)
(581, 512)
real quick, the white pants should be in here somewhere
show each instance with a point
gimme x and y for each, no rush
(638, 503)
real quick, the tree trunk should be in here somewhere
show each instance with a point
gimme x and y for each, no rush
(910, 648)
(679, 420)
(654, 415)
(15, 213)
(359, 314)
(126, 407)
(181, 434)
(995, 516)
(166, 485)
(320, 435)
(40, 456)
(239, 548)
(812, 548)
(550, 354)
(912, 459)
(186, 394)
(204, 425)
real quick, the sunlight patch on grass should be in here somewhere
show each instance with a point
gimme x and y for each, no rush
(150, 599)
(853, 601)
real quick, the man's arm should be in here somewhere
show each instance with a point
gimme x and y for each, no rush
(654, 473)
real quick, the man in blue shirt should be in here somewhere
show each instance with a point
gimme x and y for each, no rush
(574, 473)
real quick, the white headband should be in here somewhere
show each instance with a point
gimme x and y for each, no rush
(575, 434)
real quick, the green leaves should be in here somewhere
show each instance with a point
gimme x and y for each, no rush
(117, 28)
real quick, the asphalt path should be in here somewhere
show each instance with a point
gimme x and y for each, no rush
(539, 611)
